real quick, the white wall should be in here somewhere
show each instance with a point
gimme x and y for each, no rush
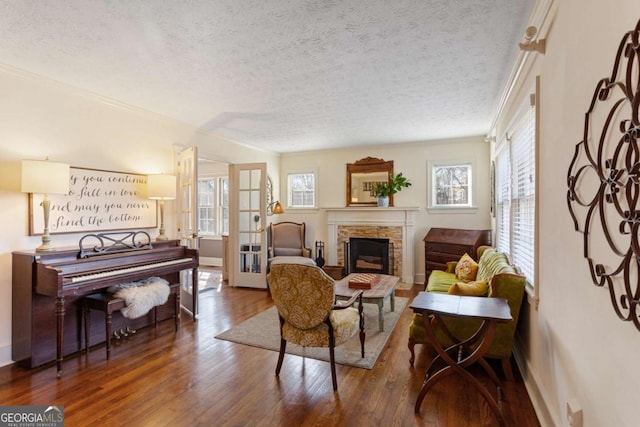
(411, 159)
(44, 118)
(574, 347)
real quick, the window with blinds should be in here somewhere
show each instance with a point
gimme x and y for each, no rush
(515, 195)
(503, 200)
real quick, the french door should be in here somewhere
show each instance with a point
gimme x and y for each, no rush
(247, 235)
(188, 222)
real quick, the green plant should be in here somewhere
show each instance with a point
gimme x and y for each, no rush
(395, 184)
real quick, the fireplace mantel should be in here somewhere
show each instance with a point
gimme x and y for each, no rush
(375, 217)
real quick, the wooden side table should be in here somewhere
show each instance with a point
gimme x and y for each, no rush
(460, 356)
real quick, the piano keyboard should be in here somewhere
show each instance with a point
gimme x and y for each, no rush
(109, 273)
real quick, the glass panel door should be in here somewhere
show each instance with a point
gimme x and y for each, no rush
(188, 222)
(248, 198)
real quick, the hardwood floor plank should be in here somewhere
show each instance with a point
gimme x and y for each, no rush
(163, 378)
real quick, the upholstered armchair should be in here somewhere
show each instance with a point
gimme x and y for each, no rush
(287, 239)
(304, 297)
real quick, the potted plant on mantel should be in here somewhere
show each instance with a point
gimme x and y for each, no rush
(385, 189)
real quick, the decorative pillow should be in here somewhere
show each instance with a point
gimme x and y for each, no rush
(472, 289)
(466, 268)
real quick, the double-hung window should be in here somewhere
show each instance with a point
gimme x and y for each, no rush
(451, 185)
(515, 194)
(206, 208)
(301, 190)
(213, 206)
(223, 205)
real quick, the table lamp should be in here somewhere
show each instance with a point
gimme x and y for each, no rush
(161, 187)
(45, 177)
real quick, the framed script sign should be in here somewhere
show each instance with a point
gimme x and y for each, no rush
(97, 201)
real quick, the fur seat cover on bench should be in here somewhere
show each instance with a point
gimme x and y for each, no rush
(141, 296)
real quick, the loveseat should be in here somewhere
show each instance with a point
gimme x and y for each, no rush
(492, 276)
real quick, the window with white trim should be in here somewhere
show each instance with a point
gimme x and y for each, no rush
(301, 190)
(213, 206)
(515, 194)
(223, 205)
(451, 185)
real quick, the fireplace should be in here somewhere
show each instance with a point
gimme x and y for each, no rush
(393, 223)
(369, 255)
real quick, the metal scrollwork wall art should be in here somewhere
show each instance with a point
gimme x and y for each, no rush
(604, 181)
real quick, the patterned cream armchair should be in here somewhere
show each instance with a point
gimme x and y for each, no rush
(304, 297)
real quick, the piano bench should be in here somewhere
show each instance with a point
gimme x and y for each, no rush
(108, 304)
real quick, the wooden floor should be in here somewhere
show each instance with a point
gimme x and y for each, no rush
(190, 378)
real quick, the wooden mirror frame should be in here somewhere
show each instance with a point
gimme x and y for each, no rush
(368, 165)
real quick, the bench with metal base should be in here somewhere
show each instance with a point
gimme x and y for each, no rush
(109, 304)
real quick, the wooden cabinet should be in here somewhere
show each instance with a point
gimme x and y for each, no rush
(442, 245)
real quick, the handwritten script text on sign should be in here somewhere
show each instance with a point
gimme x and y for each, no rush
(97, 201)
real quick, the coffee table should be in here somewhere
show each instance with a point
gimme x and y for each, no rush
(382, 290)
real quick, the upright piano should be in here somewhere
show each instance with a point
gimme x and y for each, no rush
(47, 285)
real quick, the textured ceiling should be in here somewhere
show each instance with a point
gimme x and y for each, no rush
(281, 75)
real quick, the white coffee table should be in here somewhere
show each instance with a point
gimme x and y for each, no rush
(382, 290)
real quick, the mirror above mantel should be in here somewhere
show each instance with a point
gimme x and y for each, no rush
(361, 177)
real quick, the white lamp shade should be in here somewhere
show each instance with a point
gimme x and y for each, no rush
(161, 187)
(45, 177)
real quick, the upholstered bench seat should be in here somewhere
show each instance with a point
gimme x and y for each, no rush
(108, 303)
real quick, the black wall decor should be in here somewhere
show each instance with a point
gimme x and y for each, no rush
(604, 181)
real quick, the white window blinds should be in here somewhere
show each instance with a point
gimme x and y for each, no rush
(503, 200)
(515, 196)
(523, 196)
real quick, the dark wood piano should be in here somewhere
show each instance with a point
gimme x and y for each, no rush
(47, 285)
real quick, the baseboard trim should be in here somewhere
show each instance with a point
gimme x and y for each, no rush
(210, 261)
(532, 384)
(5, 355)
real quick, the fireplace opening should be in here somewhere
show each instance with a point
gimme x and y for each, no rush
(369, 255)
